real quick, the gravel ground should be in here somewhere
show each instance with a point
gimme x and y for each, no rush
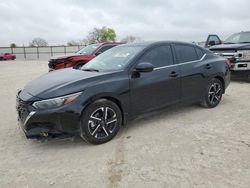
(180, 147)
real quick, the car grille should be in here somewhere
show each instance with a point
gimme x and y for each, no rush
(226, 53)
(52, 63)
(22, 109)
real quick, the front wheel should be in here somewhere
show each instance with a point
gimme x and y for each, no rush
(100, 122)
(80, 64)
(213, 94)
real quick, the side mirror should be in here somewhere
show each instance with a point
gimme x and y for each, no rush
(211, 43)
(144, 67)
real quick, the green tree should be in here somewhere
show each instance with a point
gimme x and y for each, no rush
(13, 45)
(103, 34)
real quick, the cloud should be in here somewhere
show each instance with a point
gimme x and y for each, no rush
(59, 21)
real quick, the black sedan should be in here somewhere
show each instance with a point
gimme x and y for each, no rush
(119, 85)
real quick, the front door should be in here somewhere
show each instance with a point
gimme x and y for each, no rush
(156, 89)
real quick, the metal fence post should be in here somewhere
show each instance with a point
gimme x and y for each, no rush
(64, 49)
(37, 50)
(51, 51)
(11, 50)
(24, 52)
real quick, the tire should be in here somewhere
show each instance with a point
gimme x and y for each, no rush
(248, 78)
(213, 94)
(80, 64)
(100, 122)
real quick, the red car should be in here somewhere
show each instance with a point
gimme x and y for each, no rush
(80, 58)
(7, 56)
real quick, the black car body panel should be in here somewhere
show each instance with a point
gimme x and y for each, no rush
(135, 93)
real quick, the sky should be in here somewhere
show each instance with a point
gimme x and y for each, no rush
(59, 21)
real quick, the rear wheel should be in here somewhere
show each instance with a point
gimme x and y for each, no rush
(213, 94)
(248, 78)
(100, 122)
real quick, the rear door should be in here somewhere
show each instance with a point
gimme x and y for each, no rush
(158, 88)
(192, 70)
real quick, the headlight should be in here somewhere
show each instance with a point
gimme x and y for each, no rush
(244, 55)
(55, 102)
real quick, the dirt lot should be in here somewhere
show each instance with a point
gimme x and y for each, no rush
(180, 147)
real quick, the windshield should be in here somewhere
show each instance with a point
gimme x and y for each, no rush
(238, 38)
(114, 59)
(89, 49)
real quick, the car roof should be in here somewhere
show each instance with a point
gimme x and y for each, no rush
(152, 43)
(117, 43)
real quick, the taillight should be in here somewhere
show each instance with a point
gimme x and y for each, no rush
(229, 63)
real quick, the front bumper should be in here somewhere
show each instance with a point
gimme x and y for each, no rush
(240, 66)
(51, 122)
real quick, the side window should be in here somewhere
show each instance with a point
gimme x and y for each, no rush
(105, 48)
(159, 56)
(215, 39)
(199, 52)
(185, 53)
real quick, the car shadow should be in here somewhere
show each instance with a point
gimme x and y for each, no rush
(159, 115)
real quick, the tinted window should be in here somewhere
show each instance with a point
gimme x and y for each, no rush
(159, 56)
(105, 48)
(185, 53)
(199, 52)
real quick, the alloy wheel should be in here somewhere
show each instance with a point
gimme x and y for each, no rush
(214, 93)
(102, 122)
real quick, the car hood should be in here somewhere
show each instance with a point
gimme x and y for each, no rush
(64, 56)
(62, 82)
(230, 46)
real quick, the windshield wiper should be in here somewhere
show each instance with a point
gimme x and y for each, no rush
(228, 43)
(244, 42)
(91, 70)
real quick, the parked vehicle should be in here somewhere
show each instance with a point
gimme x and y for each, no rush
(7, 56)
(80, 58)
(119, 85)
(236, 48)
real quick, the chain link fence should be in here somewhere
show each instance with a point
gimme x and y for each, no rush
(42, 53)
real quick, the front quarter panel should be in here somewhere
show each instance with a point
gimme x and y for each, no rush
(115, 87)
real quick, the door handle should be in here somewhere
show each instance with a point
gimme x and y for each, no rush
(208, 66)
(174, 74)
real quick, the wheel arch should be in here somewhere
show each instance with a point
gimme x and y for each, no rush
(112, 99)
(222, 81)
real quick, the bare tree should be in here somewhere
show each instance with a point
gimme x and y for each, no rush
(77, 43)
(36, 42)
(131, 39)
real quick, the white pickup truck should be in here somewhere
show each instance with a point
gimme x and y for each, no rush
(236, 48)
